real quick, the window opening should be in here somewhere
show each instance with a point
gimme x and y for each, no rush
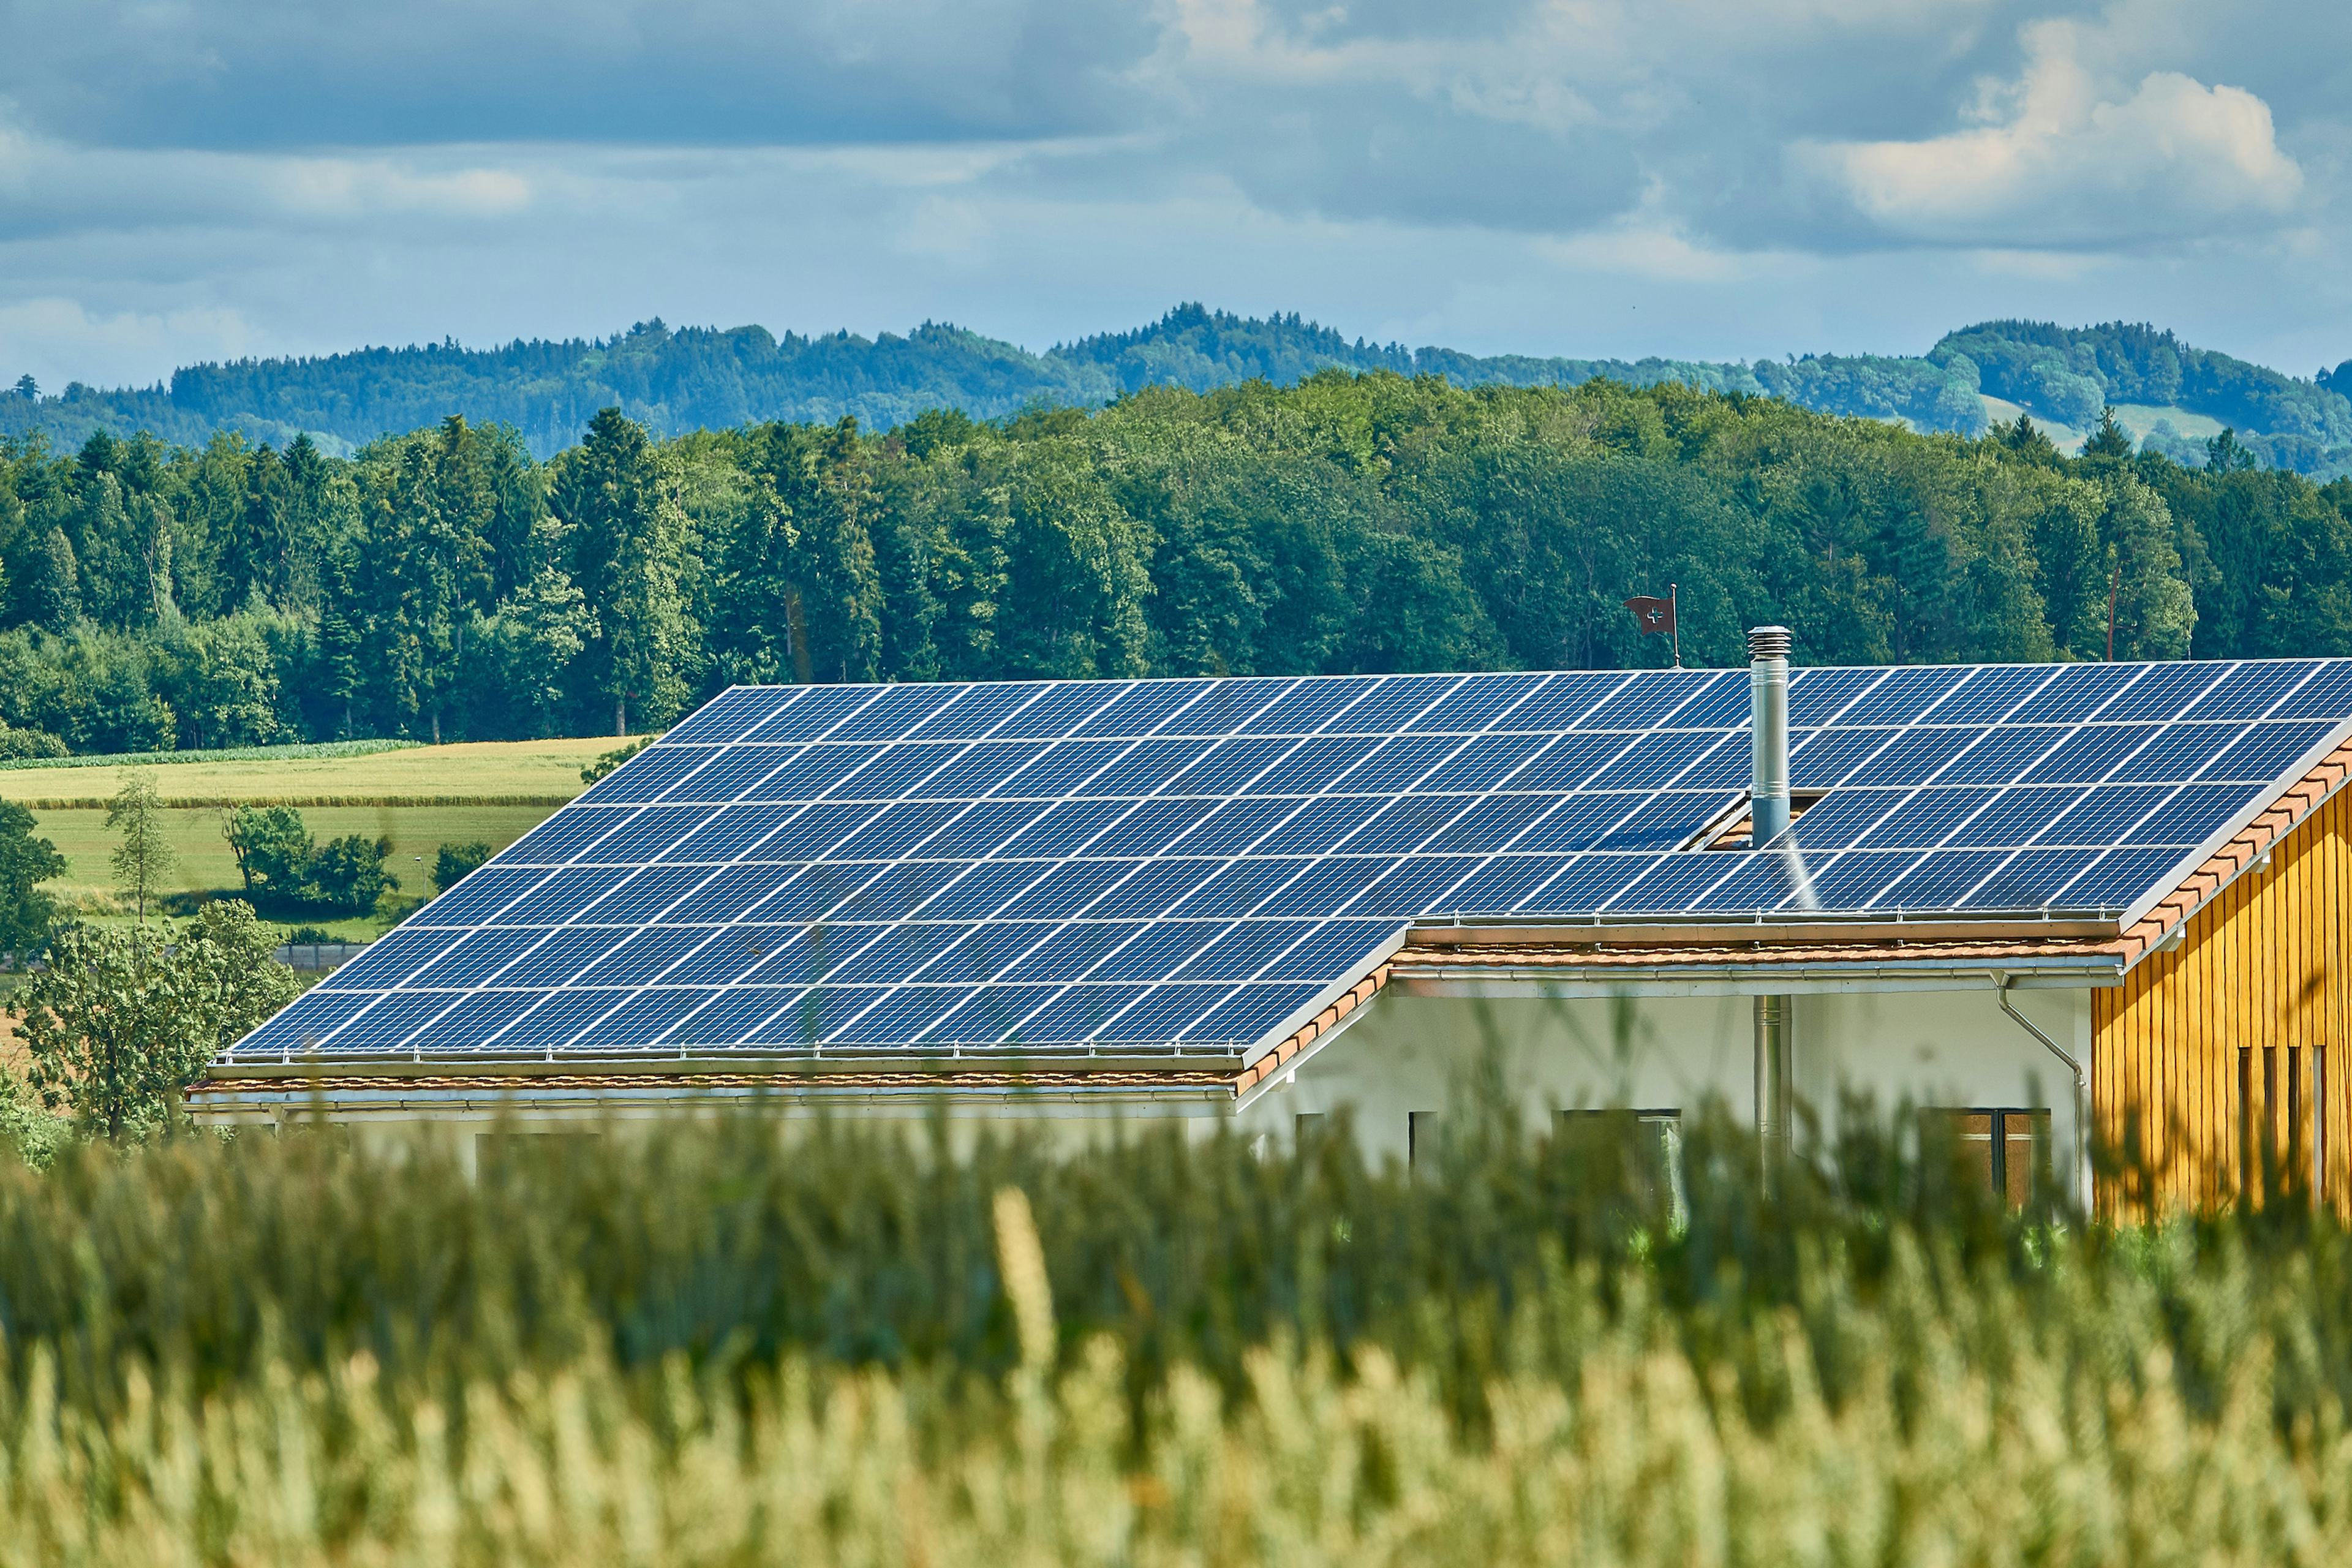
(2004, 1147)
(1654, 1139)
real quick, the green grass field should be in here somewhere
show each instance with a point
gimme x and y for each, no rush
(421, 798)
(545, 773)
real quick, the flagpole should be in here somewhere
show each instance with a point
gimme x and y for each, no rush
(1676, 621)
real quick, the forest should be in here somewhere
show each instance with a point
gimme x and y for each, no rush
(673, 381)
(447, 584)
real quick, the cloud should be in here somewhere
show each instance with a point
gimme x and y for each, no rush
(2058, 163)
(284, 74)
(57, 341)
(181, 178)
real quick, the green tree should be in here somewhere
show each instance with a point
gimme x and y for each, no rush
(2109, 440)
(2225, 454)
(347, 874)
(523, 655)
(272, 849)
(457, 861)
(618, 494)
(53, 584)
(119, 1022)
(143, 861)
(27, 861)
(2156, 615)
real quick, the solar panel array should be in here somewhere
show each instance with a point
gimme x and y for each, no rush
(1194, 865)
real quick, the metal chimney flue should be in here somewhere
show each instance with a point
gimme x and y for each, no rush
(1768, 695)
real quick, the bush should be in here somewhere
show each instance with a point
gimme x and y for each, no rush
(282, 866)
(455, 861)
(347, 874)
(29, 1130)
(20, 746)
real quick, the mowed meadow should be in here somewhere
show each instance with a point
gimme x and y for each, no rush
(856, 1344)
(420, 797)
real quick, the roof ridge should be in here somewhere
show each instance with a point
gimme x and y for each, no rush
(2251, 845)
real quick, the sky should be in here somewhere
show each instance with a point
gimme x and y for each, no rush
(183, 180)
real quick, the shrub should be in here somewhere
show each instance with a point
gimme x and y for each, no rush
(18, 745)
(455, 861)
(347, 874)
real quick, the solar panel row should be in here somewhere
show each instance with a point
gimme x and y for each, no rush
(1045, 865)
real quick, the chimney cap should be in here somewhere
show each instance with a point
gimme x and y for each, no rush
(1769, 642)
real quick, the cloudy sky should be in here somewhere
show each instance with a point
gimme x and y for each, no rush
(187, 179)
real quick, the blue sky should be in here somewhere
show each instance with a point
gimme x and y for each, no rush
(189, 179)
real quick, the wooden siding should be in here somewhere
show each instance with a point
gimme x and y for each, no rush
(2255, 994)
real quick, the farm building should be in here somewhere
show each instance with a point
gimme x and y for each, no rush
(2043, 903)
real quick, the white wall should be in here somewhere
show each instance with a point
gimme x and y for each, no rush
(1936, 1047)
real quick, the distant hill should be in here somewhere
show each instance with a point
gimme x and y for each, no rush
(675, 380)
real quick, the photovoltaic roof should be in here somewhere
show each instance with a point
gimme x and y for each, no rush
(1196, 865)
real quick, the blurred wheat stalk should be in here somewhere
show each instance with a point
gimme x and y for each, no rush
(203, 1359)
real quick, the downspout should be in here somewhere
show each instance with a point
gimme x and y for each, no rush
(1768, 816)
(2002, 984)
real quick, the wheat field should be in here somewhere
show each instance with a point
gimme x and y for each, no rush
(718, 1345)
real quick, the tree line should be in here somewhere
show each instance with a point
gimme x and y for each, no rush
(673, 381)
(446, 585)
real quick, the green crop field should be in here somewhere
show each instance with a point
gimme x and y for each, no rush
(420, 797)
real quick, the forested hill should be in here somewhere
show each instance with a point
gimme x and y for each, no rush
(2172, 398)
(443, 583)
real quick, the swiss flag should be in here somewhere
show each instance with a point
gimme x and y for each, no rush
(1656, 616)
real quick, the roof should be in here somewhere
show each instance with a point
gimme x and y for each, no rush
(1191, 874)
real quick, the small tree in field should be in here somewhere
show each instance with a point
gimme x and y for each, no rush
(143, 861)
(121, 1021)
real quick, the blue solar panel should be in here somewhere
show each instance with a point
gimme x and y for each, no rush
(1243, 951)
(1898, 697)
(1477, 703)
(1989, 695)
(1564, 700)
(1816, 696)
(1921, 821)
(566, 835)
(1829, 757)
(978, 710)
(1234, 825)
(1065, 829)
(978, 771)
(2251, 691)
(1151, 827)
(1058, 865)
(733, 1014)
(1241, 887)
(731, 773)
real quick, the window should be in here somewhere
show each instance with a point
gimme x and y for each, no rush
(2271, 1115)
(1652, 1139)
(1420, 1136)
(2005, 1147)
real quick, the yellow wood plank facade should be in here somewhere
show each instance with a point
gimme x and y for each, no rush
(2228, 1051)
